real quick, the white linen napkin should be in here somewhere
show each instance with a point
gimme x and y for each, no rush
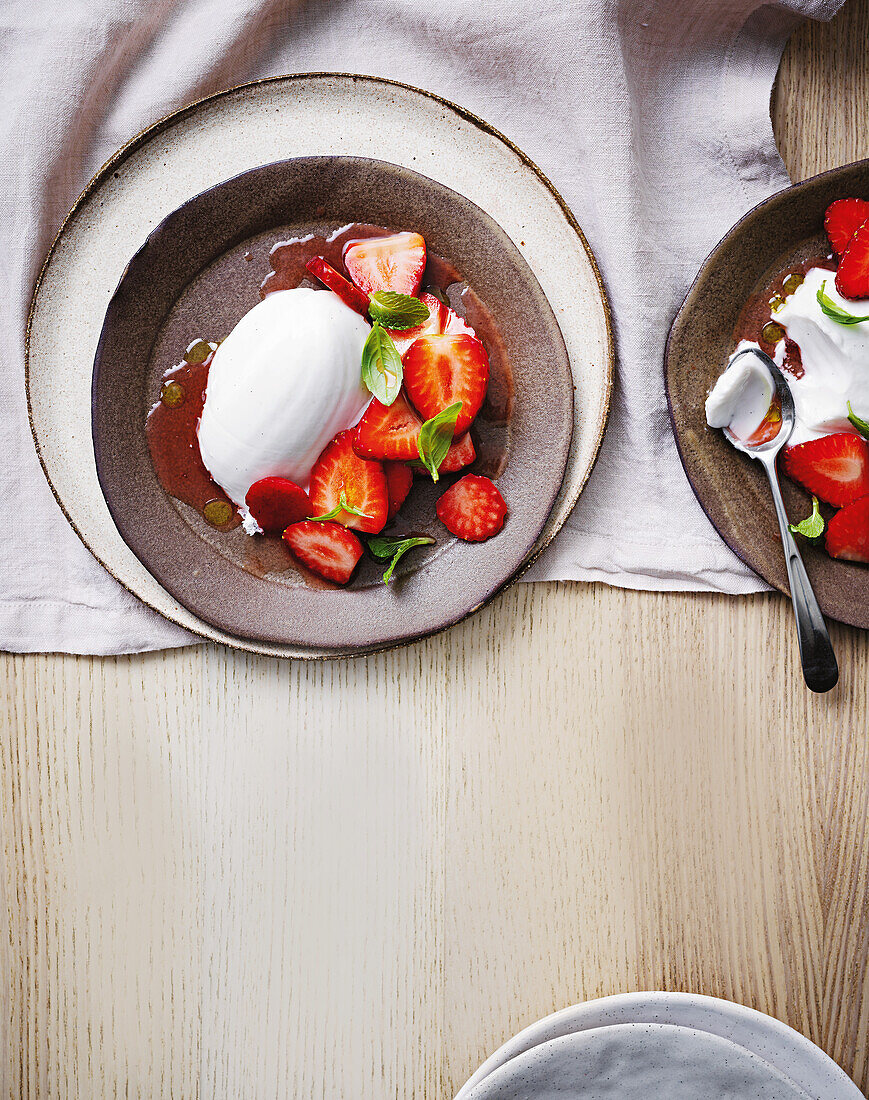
(652, 119)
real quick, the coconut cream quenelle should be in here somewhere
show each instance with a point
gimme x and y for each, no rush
(281, 385)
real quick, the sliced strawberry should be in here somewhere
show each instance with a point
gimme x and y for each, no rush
(461, 453)
(848, 532)
(842, 220)
(454, 324)
(363, 483)
(327, 548)
(399, 479)
(387, 263)
(834, 467)
(437, 319)
(388, 431)
(440, 370)
(276, 502)
(321, 269)
(472, 509)
(852, 278)
(441, 319)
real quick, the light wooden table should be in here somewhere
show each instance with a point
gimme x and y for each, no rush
(227, 876)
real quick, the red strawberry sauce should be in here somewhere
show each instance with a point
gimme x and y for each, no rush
(755, 321)
(769, 426)
(171, 431)
(172, 423)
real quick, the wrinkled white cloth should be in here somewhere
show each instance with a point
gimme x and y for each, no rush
(652, 119)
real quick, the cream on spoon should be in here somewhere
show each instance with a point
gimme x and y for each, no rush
(816, 653)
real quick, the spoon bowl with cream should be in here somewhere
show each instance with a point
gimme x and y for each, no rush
(752, 404)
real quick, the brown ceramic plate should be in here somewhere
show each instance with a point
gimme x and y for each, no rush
(193, 278)
(777, 236)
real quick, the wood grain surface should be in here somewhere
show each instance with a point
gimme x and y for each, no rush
(228, 876)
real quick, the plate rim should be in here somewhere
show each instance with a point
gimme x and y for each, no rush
(777, 196)
(637, 1007)
(165, 122)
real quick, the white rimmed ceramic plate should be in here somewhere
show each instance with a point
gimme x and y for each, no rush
(224, 135)
(605, 1038)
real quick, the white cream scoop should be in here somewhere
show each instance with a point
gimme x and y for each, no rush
(281, 385)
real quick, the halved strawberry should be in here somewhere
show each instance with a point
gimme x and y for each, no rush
(328, 548)
(461, 453)
(441, 319)
(387, 263)
(276, 502)
(842, 220)
(399, 480)
(852, 278)
(834, 467)
(363, 483)
(321, 269)
(472, 509)
(388, 431)
(440, 370)
(848, 532)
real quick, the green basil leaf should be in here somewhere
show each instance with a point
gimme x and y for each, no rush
(861, 425)
(388, 547)
(811, 528)
(381, 365)
(384, 546)
(436, 436)
(838, 314)
(397, 311)
(342, 506)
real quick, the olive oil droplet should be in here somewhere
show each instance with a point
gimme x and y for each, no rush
(198, 351)
(771, 332)
(217, 512)
(792, 282)
(172, 394)
(776, 302)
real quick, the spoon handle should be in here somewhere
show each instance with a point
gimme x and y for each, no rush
(816, 652)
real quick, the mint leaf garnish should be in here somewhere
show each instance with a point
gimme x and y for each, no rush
(397, 311)
(342, 506)
(381, 365)
(832, 310)
(811, 528)
(436, 436)
(386, 547)
(861, 425)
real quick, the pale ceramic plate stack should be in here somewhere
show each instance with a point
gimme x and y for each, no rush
(199, 147)
(675, 1045)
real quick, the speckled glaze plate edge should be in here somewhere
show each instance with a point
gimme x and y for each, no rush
(786, 1050)
(227, 133)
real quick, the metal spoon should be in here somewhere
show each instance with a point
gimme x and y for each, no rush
(816, 653)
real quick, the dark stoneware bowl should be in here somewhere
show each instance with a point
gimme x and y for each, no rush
(731, 488)
(196, 275)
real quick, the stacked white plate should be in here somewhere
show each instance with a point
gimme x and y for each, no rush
(673, 1046)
